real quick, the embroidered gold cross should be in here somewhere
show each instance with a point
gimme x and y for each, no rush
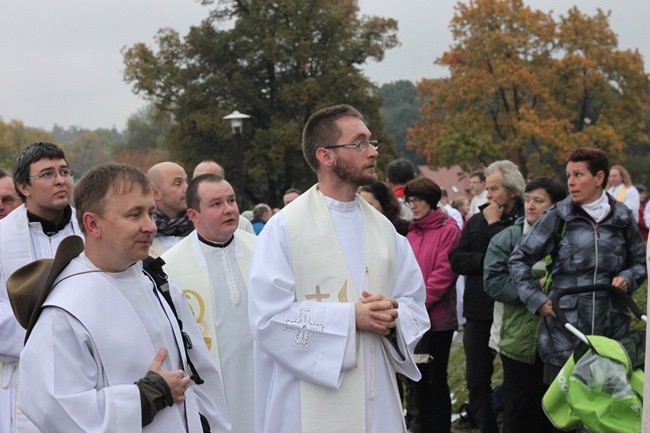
(318, 296)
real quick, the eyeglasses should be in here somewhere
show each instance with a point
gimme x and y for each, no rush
(359, 145)
(51, 174)
(413, 200)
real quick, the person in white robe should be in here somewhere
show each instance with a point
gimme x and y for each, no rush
(211, 266)
(621, 188)
(107, 354)
(209, 166)
(32, 231)
(336, 300)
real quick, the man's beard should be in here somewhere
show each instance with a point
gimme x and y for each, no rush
(347, 172)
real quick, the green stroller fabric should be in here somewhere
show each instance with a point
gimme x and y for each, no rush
(601, 391)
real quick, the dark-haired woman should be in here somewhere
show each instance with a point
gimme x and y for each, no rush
(593, 239)
(432, 235)
(382, 198)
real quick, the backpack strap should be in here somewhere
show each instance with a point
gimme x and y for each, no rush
(154, 268)
(560, 230)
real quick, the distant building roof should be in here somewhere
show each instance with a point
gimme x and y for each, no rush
(453, 179)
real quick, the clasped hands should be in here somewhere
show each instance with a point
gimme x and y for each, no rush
(376, 313)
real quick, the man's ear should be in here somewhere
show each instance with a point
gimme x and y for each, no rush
(324, 157)
(91, 225)
(156, 194)
(24, 189)
(600, 177)
(193, 215)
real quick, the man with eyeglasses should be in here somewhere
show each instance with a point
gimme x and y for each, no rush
(32, 231)
(9, 200)
(336, 298)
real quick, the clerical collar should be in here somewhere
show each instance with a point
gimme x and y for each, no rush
(51, 228)
(214, 244)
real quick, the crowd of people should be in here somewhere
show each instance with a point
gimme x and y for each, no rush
(333, 313)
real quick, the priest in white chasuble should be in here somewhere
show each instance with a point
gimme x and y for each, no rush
(105, 348)
(211, 267)
(336, 297)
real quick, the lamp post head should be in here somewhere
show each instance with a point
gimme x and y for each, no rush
(236, 121)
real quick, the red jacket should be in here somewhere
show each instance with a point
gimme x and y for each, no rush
(432, 239)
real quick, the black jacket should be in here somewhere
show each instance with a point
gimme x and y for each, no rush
(467, 259)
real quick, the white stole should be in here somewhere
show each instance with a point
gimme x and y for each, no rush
(124, 360)
(315, 253)
(186, 266)
(16, 243)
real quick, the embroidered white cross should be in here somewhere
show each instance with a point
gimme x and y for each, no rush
(304, 328)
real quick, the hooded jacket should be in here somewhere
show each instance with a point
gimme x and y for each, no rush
(432, 238)
(587, 253)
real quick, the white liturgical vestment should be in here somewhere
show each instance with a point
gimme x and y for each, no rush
(306, 341)
(21, 242)
(213, 279)
(97, 335)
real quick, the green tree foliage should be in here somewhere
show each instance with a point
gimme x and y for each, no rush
(277, 61)
(400, 110)
(147, 129)
(527, 87)
(14, 136)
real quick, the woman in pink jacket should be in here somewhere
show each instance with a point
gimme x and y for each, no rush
(432, 235)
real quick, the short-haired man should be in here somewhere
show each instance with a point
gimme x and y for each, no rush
(211, 266)
(209, 166)
(399, 172)
(9, 200)
(336, 296)
(32, 231)
(505, 192)
(477, 184)
(290, 195)
(170, 186)
(262, 212)
(115, 356)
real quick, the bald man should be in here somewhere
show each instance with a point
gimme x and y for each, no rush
(209, 166)
(170, 186)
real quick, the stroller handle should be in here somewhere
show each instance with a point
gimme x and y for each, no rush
(624, 296)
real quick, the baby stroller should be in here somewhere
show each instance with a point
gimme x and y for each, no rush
(600, 388)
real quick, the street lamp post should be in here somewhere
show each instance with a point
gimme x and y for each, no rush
(237, 126)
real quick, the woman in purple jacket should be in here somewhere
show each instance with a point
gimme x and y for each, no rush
(432, 236)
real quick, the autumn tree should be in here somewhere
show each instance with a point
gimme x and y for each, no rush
(14, 137)
(88, 148)
(277, 61)
(527, 87)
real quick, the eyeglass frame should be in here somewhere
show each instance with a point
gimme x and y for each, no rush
(359, 145)
(50, 174)
(413, 201)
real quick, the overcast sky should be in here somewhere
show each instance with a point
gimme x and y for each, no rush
(60, 61)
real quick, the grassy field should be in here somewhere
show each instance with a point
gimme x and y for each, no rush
(457, 363)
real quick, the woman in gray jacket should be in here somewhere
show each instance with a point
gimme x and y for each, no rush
(592, 239)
